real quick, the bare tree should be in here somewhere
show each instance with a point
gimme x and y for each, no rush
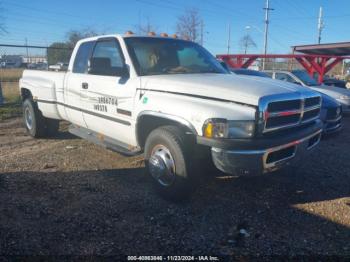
(146, 27)
(73, 36)
(246, 42)
(188, 25)
(2, 23)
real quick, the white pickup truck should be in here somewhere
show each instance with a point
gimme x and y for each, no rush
(172, 100)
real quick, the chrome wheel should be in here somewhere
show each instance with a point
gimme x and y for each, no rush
(28, 118)
(162, 165)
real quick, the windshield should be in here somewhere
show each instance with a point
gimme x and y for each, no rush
(305, 78)
(157, 56)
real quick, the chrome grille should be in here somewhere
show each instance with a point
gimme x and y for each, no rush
(280, 111)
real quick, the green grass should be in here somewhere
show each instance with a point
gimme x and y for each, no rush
(10, 91)
(10, 110)
(12, 106)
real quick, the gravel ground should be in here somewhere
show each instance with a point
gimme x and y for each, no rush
(65, 196)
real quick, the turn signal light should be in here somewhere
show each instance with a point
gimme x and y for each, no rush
(208, 131)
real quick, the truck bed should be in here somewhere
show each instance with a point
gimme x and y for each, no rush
(45, 86)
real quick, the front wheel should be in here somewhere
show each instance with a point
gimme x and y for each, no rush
(167, 155)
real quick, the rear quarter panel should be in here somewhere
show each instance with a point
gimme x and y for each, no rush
(47, 89)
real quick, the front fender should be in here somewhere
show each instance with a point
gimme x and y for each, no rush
(190, 111)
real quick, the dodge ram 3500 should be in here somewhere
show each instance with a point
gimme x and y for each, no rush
(172, 100)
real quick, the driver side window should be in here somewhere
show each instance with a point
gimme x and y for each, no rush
(106, 59)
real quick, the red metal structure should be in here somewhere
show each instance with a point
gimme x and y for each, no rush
(314, 58)
(320, 64)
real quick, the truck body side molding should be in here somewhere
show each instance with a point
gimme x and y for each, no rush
(120, 121)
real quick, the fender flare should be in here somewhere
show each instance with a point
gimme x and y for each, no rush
(165, 116)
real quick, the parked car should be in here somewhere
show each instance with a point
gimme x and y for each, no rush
(171, 100)
(330, 81)
(38, 66)
(248, 72)
(331, 113)
(301, 77)
(59, 67)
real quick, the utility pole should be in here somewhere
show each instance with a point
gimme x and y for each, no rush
(267, 12)
(229, 38)
(320, 25)
(26, 40)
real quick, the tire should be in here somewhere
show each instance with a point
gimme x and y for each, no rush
(168, 161)
(33, 119)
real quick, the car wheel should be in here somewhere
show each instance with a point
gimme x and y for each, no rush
(33, 119)
(167, 157)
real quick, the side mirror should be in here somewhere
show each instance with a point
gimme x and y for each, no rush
(124, 72)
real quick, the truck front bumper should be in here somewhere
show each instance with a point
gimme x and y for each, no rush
(265, 155)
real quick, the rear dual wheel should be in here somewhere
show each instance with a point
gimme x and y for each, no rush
(36, 124)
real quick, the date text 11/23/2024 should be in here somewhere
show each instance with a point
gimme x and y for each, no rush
(173, 258)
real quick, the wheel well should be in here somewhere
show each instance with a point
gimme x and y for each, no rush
(147, 123)
(25, 93)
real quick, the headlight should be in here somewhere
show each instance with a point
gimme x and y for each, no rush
(344, 97)
(222, 128)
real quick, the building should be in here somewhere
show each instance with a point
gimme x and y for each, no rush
(16, 61)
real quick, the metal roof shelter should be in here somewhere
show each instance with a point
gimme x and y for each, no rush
(332, 49)
(318, 58)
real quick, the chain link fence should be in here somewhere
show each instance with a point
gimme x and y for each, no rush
(15, 58)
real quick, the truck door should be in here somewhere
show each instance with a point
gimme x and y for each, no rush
(109, 95)
(75, 84)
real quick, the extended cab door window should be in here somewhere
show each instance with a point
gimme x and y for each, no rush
(107, 59)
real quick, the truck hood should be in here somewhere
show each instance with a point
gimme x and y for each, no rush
(236, 88)
(334, 92)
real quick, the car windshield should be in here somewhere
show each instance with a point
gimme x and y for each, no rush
(157, 56)
(305, 78)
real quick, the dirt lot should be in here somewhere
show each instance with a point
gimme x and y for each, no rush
(66, 196)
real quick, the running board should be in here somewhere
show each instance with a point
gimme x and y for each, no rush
(104, 141)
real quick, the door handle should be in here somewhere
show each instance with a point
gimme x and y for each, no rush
(85, 85)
